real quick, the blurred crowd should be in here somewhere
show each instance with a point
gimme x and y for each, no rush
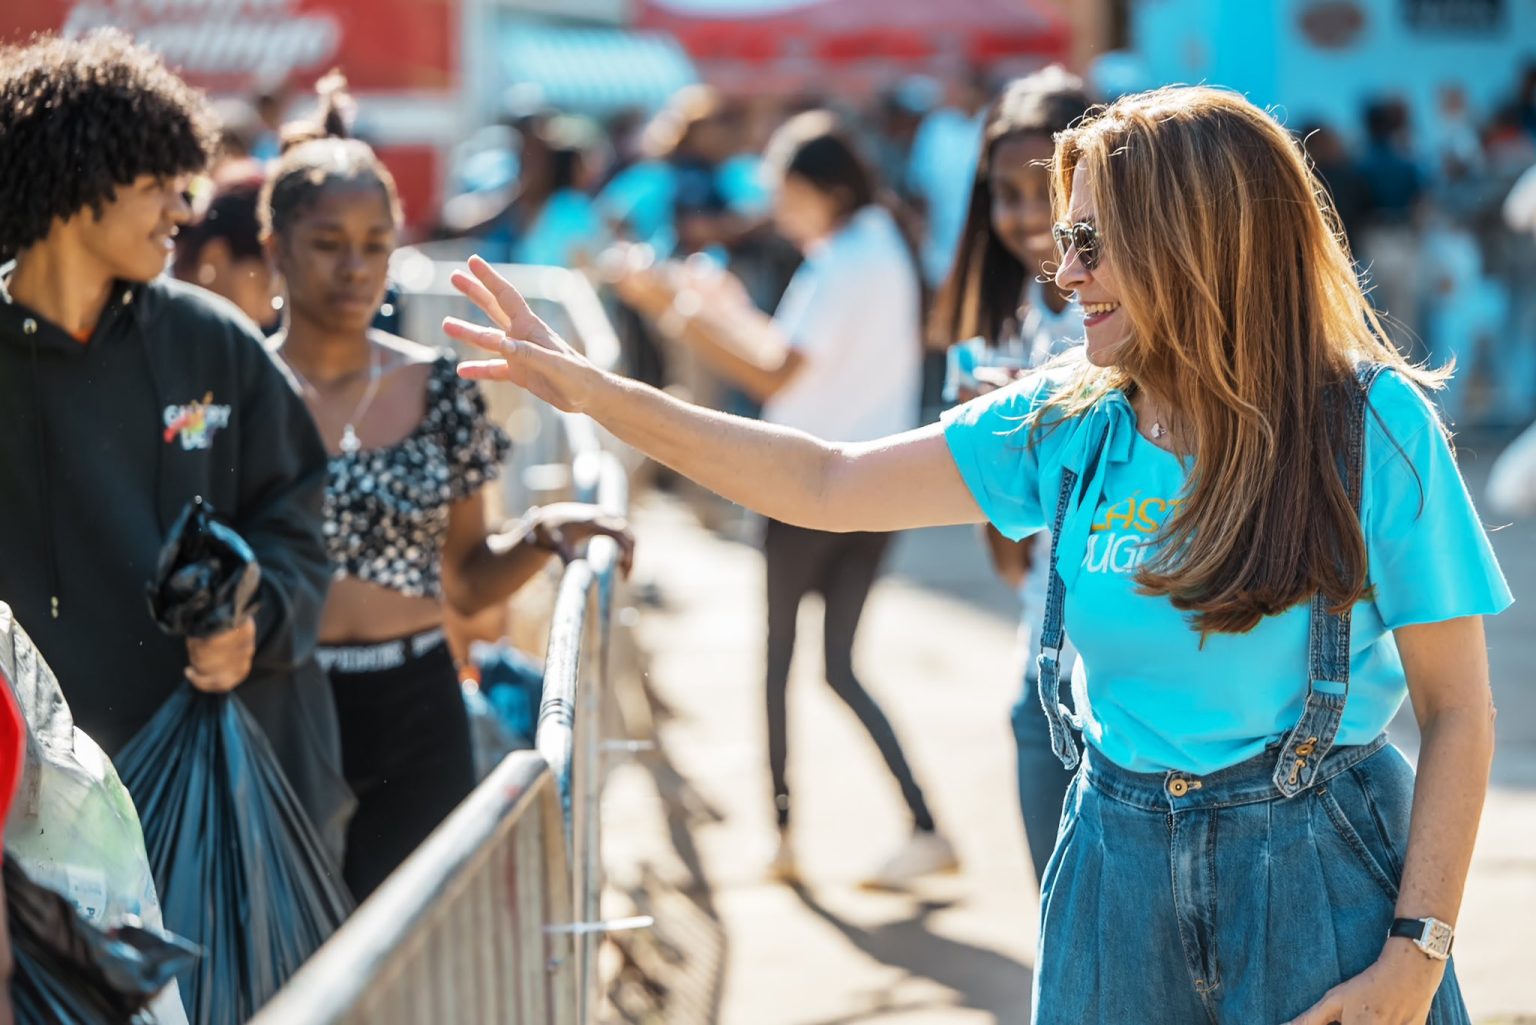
(1427, 199)
(1430, 203)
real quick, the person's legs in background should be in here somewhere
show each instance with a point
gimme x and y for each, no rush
(845, 584)
(793, 560)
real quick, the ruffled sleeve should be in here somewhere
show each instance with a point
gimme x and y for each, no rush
(475, 445)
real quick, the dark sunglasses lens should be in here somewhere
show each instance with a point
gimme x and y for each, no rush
(1086, 238)
(1082, 237)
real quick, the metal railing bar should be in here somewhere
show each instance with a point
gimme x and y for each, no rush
(602, 928)
(555, 735)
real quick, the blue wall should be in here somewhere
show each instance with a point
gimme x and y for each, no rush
(1257, 47)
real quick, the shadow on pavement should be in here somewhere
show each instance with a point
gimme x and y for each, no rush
(673, 973)
(983, 979)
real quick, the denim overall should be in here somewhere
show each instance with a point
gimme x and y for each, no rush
(1240, 897)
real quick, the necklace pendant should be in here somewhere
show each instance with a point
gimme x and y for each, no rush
(349, 441)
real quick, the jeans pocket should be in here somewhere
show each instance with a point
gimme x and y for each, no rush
(1387, 815)
(1348, 807)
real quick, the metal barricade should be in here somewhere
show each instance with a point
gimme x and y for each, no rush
(494, 919)
(459, 932)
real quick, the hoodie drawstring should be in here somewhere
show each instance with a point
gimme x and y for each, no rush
(39, 434)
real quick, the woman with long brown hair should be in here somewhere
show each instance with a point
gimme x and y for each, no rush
(1262, 544)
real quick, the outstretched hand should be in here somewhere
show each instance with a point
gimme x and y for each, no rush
(531, 355)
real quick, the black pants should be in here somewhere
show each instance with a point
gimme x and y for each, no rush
(842, 567)
(405, 749)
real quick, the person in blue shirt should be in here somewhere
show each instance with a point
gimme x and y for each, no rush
(562, 226)
(1261, 545)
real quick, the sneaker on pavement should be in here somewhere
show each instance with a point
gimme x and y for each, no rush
(924, 854)
(782, 867)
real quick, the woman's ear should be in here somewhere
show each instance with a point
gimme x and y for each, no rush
(213, 261)
(273, 250)
(843, 206)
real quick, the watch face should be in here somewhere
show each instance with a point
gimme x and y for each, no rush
(1437, 937)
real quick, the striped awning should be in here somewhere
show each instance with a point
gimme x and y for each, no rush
(594, 71)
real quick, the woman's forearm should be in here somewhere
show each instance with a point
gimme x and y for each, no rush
(772, 470)
(496, 569)
(1452, 782)
(894, 483)
(734, 339)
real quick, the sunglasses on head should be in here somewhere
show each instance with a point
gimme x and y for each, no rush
(1082, 236)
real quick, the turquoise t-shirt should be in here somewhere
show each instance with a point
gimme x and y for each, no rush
(1150, 697)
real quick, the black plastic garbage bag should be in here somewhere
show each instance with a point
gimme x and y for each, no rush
(240, 869)
(69, 972)
(206, 578)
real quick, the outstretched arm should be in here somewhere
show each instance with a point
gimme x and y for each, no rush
(907, 480)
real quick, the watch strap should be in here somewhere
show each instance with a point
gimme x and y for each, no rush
(1424, 934)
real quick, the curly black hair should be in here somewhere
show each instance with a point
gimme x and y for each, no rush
(81, 117)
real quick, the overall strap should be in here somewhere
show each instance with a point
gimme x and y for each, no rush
(1053, 630)
(1310, 740)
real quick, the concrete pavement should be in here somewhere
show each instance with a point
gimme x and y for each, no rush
(688, 829)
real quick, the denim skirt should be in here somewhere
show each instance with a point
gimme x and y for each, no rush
(1179, 899)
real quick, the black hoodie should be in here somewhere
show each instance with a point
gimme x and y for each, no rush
(101, 445)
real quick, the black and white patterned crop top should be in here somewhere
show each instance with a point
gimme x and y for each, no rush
(386, 509)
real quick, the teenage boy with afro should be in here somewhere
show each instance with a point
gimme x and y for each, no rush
(124, 394)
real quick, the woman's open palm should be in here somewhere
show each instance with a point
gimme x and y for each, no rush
(532, 356)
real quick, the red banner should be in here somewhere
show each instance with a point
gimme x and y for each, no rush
(236, 45)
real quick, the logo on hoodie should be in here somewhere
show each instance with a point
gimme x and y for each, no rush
(195, 423)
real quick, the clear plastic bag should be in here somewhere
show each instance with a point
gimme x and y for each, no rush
(73, 827)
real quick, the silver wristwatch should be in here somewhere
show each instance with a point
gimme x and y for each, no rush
(1430, 935)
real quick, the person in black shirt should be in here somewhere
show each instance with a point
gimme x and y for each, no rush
(123, 395)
